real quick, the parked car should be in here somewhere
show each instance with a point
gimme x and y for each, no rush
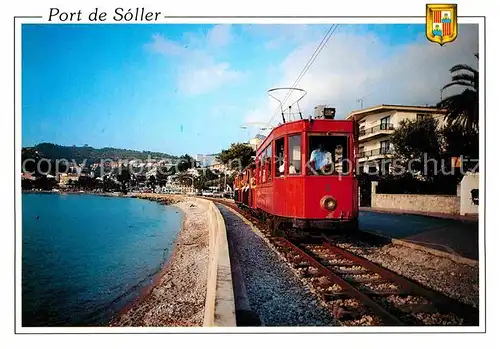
(217, 194)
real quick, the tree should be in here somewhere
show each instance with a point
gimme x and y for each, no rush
(124, 178)
(461, 142)
(86, 182)
(162, 174)
(39, 165)
(185, 162)
(152, 181)
(206, 176)
(415, 143)
(230, 179)
(27, 184)
(45, 183)
(79, 154)
(239, 154)
(421, 148)
(463, 108)
(109, 184)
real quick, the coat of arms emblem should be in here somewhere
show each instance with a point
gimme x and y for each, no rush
(441, 23)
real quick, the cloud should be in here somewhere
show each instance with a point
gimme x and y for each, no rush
(356, 65)
(164, 46)
(275, 36)
(198, 71)
(207, 78)
(220, 35)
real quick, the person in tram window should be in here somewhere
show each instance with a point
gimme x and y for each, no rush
(321, 159)
(281, 161)
(281, 169)
(291, 170)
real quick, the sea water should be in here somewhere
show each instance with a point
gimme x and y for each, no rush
(84, 257)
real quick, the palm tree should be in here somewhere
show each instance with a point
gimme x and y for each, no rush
(463, 108)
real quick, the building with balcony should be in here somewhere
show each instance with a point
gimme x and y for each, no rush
(376, 124)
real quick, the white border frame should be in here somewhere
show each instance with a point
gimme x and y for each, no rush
(254, 20)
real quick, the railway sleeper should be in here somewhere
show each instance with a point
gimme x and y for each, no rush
(440, 304)
(348, 278)
(417, 308)
(381, 292)
(346, 272)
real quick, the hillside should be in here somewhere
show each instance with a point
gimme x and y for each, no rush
(54, 151)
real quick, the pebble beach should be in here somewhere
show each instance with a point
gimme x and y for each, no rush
(177, 296)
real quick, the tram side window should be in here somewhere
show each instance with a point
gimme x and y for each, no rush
(294, 154)
(268, 163)
(328, 155)
(279, 162)
(257, 171)
(263, 168)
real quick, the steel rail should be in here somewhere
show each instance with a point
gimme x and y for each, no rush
(350, 290)
(440, 301)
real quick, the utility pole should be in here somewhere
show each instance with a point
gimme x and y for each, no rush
(360, 100)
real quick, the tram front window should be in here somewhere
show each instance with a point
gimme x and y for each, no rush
(328, 155)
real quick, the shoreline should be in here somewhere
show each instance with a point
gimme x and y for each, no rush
(177, 279)
(145, 196)
(146, 290)
(110, 194)
(155, 281)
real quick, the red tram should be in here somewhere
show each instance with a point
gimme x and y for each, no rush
(304, 176)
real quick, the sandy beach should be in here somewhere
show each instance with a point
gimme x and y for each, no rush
(177, 294)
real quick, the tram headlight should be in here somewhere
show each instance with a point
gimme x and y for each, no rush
(328, 203)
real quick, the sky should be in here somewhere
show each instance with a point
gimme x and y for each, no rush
(189, 88)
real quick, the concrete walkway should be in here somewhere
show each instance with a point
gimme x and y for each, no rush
(455, 237)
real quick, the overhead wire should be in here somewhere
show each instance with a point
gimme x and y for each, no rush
(308, 65)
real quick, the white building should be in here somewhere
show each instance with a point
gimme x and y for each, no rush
(204, 160)
(376, 124)
(256, 141)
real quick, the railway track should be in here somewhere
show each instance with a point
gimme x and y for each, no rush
(359, 292)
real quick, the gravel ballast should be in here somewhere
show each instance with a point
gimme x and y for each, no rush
(178, 295)
(454, 279)
(274, 292)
